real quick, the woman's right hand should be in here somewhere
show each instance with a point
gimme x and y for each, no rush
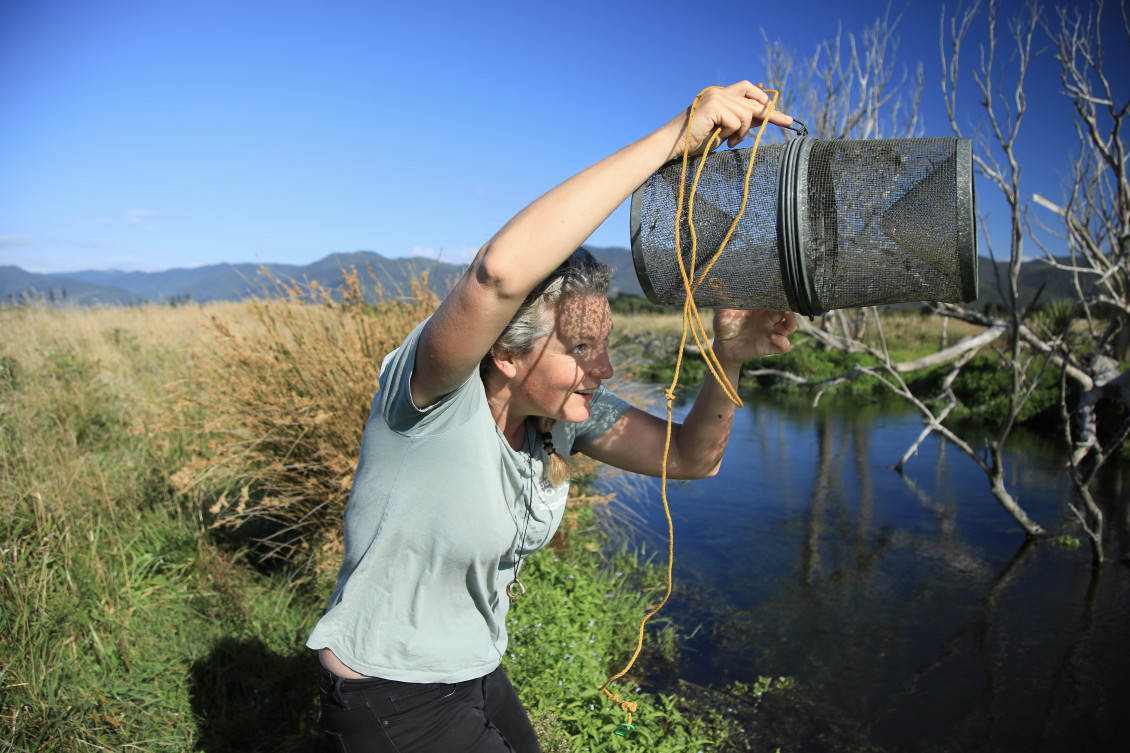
(734, 109)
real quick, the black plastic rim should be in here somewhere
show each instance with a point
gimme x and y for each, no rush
(966, 221)
(792, 228)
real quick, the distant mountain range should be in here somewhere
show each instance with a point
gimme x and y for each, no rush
(230, 282)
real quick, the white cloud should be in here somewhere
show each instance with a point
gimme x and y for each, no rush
(461, 255)
(138, 216)
(19, 241)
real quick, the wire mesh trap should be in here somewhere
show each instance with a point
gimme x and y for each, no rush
(828, 224)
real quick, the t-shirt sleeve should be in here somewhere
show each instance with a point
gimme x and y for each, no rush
(394, 398)
(605, 410)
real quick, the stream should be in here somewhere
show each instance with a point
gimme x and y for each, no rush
(911, 608)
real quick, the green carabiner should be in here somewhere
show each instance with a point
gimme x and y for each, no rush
(624, 730)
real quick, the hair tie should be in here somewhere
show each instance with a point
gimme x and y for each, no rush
(547, 443)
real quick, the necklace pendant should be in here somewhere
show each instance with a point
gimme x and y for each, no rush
(514, 589)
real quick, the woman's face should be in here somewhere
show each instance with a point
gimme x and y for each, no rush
(557, 378)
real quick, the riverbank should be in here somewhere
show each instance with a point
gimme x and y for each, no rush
(132, 620)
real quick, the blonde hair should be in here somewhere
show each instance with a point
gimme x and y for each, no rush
(579, 275)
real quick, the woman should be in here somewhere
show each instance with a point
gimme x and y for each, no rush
(463, 469)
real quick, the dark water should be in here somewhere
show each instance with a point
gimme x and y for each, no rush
(910, 606)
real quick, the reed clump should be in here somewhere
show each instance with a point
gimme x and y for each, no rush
(281, 396)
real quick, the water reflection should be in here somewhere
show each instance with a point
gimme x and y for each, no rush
(910, 604)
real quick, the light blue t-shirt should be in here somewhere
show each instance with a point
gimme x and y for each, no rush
(434, 525)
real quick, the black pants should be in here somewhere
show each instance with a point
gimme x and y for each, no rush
(384, 716)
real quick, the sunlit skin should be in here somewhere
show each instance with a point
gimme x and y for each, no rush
(557, 378)
(637, 441)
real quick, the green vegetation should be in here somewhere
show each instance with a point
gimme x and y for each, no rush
(123, 625)
(577, 625)
(982, 387)
(982, 390)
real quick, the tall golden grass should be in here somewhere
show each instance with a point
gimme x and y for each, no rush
(281, 394)
(76, 379)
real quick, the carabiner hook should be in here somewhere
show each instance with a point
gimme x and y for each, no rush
(800, 129)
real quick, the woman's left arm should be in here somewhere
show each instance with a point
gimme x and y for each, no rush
(635, 443)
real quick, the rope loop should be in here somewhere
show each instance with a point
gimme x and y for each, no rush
(692, 323)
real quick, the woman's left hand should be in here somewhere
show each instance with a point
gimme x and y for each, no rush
(741, 336)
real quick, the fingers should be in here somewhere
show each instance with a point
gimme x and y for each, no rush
(738, 108)
(732, 110)
(784, 321)
(761, 101)
(783, 324)
(741, 335)
(782, 344)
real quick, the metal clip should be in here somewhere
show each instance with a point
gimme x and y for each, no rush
(800, 129)
(514, 589)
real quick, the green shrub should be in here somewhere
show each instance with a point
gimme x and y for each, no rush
(983, 387)
(576, 626)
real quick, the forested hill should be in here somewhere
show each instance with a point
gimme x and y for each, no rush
(227, 282)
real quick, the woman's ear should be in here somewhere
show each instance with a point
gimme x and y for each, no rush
(504, 361)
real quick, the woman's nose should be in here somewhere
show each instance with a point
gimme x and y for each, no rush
(602, 367)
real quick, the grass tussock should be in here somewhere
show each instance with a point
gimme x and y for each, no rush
(282, 396)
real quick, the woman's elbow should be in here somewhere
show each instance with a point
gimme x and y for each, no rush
(713, 470)
(497, 272)
(696, 473)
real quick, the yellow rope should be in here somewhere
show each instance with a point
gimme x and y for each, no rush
(691, 321)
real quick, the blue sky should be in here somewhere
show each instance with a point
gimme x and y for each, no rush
(150, 135)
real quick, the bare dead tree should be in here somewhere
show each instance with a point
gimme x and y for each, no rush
(850, 86)
(1096, 210)
(1004, 113)
(1003, 105)
(1095, 229)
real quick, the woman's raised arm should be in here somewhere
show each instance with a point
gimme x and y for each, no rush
(532, 244)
